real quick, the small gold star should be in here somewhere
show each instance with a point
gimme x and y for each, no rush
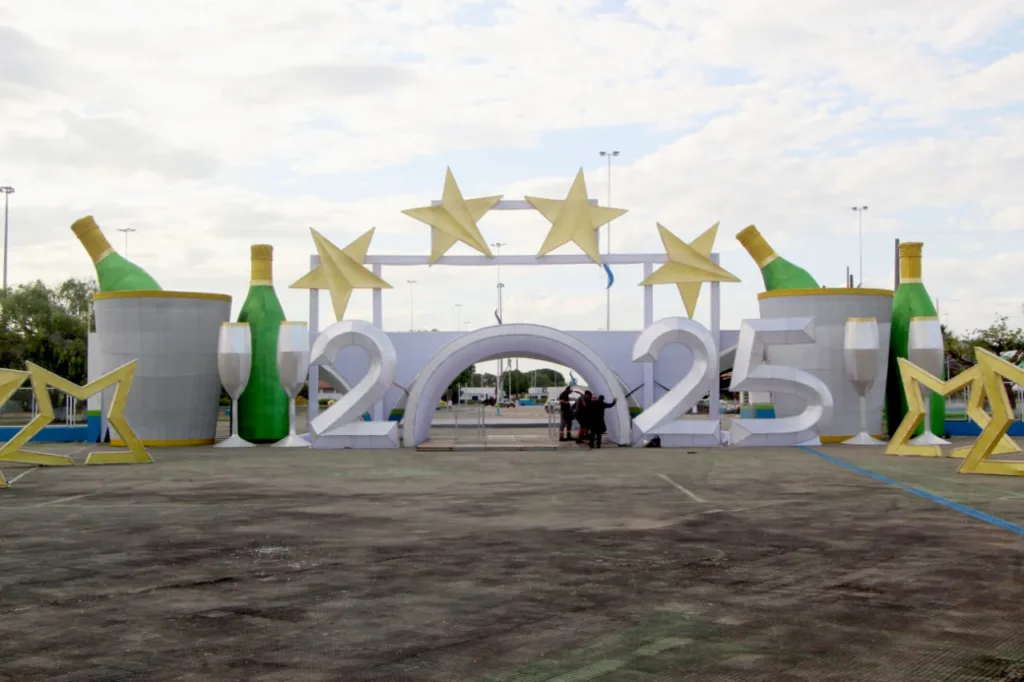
(574, 219)
(689, 265)
(341, 270)
(455, 220)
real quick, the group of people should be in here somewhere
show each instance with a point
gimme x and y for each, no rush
(588, 412)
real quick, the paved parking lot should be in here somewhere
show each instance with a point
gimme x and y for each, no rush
(569, 566)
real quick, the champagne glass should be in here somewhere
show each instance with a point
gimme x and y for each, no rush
(927, 351)
(234, 363)
(292, 367)
(860, 353)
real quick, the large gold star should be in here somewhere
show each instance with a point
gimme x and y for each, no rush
(689, 265)
(42, 379)
(341, 270)
(574, 219)
(454, 220)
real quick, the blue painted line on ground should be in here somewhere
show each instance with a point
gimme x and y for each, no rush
(931, 497)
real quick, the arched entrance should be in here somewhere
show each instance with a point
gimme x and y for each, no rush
(515, 340)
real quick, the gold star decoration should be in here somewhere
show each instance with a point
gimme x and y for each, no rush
(574, 219)
(341, 270)
(689, 265)
(455, 220)
(989, 372)
(43, 379)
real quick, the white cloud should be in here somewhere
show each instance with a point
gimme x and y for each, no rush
(202, 125)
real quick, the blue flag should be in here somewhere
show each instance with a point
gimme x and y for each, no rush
(496, 316)
(572, 379)
(611, 277)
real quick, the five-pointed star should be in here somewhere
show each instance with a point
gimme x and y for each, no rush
(341, 270)
(689, 265)
(454, 220)
(574, 219)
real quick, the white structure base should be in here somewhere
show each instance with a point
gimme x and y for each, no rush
(762, 433)
(863, 438)
(360, 436)
(691, 433)
(292, 441)
(928, 438)
(234, 441)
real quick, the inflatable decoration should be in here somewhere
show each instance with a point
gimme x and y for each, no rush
(292, 366)
(861, 352)
(911, 300)
(234, 364)
(990, 372)
(42, 380)
(114, 272)
(263, 407)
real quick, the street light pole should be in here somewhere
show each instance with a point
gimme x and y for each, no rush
(497, 378)
(126, 230)
(608, 291)
(7, 191)
(860, 239)
(412, 301)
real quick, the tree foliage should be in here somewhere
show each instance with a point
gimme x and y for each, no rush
(1000, 337)
(47, 326)
(464, 379)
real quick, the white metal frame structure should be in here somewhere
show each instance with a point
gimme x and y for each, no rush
(647, 260)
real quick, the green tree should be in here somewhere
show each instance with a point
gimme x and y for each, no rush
(465, 378)
(999, 337)
(47, 326)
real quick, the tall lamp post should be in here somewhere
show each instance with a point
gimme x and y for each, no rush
(608, 292)
(860, 239)
(126, 230)
(412, 301)
(8, 191)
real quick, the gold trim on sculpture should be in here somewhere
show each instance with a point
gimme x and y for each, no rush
(202, 296)
(824, 291)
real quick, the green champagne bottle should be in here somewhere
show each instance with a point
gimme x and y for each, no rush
(263, 407)
(911, 300)
(778, 273)
(114, 272)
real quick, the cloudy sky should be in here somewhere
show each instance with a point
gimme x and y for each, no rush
(210, 126)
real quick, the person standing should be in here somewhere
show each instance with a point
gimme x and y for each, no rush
(565, 411)
(595, 419)
(582, 417)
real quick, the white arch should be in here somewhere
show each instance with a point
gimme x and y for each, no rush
(510, 340)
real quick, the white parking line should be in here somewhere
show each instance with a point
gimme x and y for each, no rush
(65, 499)
(695, 498)
(24, 473)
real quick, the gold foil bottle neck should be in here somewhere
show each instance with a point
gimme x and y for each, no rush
(92, 238)
(262, 256)
(910, 261)
(759, 249)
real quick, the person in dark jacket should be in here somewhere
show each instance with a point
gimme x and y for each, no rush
(565, 411)
(582, 413)
(595, 419)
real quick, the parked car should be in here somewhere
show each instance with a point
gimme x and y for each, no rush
(552, 404)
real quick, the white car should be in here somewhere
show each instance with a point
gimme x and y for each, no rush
(552, 404)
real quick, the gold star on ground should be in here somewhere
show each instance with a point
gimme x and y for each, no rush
(122, 377)
(574, 219)
(454, 220)
(689, 265)
(341, 270)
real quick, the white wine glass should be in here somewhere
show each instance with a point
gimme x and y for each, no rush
(234, 363)
(926, 350)
(292, 368)
(860, 355)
